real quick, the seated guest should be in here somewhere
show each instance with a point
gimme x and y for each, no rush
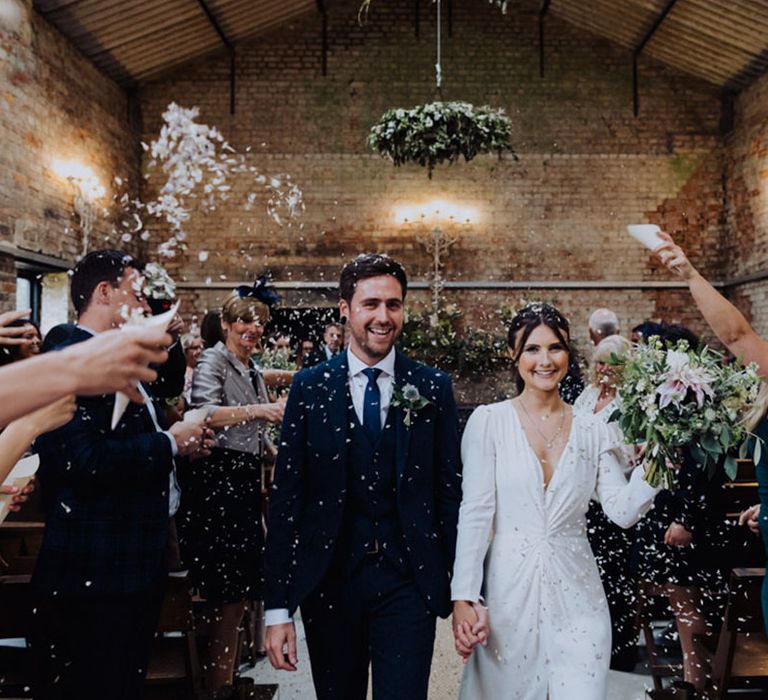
(101, 570)
(333, 338)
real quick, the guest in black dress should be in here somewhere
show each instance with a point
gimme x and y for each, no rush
(220, 529)
(673, 546)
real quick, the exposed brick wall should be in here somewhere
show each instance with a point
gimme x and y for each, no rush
(587, 166)
(55, 104)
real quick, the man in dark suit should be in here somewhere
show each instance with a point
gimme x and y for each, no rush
(101, 570)
(333, 334)
(364, 506)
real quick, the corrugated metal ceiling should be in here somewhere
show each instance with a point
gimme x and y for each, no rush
(135, 39)
(722, 41)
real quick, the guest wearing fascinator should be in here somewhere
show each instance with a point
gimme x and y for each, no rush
(220, 519)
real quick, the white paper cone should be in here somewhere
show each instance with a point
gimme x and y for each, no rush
(647, 234)
(162, 320)
(19, 477)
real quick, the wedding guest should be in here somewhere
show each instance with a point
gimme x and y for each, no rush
(531, 466)
(610, 543)
(672, 546)
(364, 503)
(603, 323)
(100, 573)
(220, 520)
(735, 332)
(193, 346)
(645, 330)
(333, 337)
(305, 350)
(23, 351)
(211, 330)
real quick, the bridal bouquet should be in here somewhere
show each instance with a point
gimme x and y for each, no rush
(674, 397)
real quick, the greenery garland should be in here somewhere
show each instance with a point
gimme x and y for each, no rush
(440, 131)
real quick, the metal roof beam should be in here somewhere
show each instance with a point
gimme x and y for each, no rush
(543, 9)
(639, 48)
(323, 10)
(225, 40)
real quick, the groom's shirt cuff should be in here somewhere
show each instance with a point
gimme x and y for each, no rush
(277, 616)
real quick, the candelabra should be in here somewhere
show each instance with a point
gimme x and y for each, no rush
(443, 220)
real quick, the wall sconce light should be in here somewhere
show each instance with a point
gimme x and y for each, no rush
(438, 214)
(87, 188)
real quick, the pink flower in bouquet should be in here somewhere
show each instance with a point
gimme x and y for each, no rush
(681, 378)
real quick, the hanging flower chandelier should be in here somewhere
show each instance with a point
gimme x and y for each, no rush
(439, 131)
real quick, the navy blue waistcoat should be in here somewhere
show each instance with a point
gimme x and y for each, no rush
(371, 512)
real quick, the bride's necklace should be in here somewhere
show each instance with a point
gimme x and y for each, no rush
(549, 442)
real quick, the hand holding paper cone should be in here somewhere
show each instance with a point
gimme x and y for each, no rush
(160, 321)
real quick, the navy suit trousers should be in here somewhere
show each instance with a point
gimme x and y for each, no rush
(375, 615)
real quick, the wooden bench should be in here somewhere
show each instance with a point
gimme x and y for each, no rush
(740, 656)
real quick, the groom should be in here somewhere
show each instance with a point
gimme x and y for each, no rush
(364, 505)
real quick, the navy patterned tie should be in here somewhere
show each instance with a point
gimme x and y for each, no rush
(372, 404)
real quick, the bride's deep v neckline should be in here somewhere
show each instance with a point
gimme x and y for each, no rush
(556, 469)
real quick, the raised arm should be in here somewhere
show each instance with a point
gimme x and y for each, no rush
(727, 322)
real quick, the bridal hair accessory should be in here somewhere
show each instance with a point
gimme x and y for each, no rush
(410, 400)
(259, 291)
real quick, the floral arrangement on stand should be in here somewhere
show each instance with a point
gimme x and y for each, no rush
(437, 132)
(445, 345)
(671, 398)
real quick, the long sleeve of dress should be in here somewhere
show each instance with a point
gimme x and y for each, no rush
(478, 506)
(623, 502)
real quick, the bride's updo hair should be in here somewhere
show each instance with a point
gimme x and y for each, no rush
(532, 316)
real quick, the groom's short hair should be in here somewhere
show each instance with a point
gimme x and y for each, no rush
(96, 267)
(369, 265)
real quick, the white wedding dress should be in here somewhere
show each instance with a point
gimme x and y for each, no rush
(524, 548)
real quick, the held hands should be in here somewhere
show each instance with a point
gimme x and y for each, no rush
(270, 412)
(470, 627)
(279, 639)
(677, 536)
(750, 517)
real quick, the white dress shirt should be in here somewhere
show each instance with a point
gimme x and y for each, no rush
(358, 381)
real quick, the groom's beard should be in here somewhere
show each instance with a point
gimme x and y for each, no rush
(378, 340)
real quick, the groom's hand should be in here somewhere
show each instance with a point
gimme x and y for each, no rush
(280, 638)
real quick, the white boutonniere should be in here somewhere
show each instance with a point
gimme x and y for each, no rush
(409, 398)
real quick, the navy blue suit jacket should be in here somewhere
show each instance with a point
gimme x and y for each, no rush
(306, 503)
(105, 496)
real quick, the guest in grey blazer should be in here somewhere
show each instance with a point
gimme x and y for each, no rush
(220, 522)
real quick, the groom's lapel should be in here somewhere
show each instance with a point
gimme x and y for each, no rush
(337, 387)
(405, 373)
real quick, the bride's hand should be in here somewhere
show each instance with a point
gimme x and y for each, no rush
(469, 629)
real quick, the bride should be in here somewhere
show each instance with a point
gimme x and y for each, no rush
(531, 466)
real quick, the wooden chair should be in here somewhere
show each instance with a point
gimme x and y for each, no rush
(20, 543)
(16, 667)
(740, 657)
(659, 665)
(174, 664)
